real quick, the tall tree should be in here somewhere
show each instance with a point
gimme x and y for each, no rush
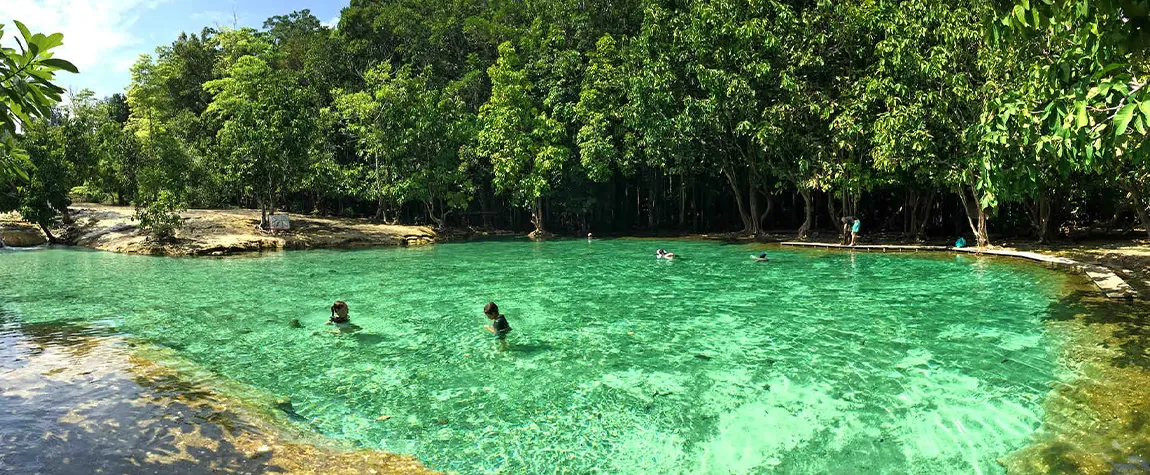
(522, 141)
(268, 126)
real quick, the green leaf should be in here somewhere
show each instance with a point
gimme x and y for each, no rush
(1082, 119)
(60, 64)
(1122, 119)
(1020, 14)
(23, 31)
(52, 41)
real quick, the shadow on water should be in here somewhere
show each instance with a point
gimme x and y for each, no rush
(367, 338)
(69, 411)
(1099, 421)
(1130, 322)
(76, 400)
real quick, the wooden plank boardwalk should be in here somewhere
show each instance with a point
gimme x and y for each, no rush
(1107, 281)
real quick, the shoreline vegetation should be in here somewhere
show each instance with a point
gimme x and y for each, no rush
(231, 232)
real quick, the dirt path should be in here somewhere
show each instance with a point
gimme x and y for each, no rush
(224, 232)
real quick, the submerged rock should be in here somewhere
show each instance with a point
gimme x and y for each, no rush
(284, 404)
(294, 323)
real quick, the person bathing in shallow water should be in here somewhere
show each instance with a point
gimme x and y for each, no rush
(339, 314)
(499, 326)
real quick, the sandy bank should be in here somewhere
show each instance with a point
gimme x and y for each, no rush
(224, 232)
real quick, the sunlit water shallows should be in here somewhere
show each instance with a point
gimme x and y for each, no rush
(619, 363)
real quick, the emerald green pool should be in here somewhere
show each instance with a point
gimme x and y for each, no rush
(618, 363)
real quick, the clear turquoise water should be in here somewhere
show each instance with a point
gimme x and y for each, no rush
(619, 363)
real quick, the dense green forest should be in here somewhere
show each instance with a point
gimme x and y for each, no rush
(628, 116)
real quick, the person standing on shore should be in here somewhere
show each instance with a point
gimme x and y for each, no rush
(851, 227)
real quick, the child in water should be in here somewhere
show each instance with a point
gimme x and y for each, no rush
(339, 313)
(499, 326)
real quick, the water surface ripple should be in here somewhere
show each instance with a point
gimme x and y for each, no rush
(619, 363)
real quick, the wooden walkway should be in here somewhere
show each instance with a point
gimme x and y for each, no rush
(1107, 281)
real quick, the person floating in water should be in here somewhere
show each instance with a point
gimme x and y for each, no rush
(851, 225)
(762, 257)
(339, 314)
(499, 326)
(663, 254)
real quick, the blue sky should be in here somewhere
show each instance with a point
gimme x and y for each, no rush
(104, 37)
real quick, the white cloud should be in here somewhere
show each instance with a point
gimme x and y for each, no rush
(98, 34)
(332, 23)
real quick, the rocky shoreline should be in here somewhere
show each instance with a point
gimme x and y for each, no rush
(210, 233)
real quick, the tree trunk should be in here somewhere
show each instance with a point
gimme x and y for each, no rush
(754, 202)
(909, 205)
(682, 203)
(1043, 220)
(537, 218)
(485, 206)
(430, 206)
(925, 208)
(809, 206)
(381, 210)
(834, 212)
(263, 214)
(975, 215)
(766, 212)
(1139, 207)
(743, 213)
(48, 233)
(653, 199)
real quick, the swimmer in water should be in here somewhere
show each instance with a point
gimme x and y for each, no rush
(762, 258)
(499, 326)
(339, 314)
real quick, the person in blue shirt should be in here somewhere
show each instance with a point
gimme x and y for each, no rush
(499, 326)
(851, 225)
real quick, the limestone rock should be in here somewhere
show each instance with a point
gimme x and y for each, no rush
(20, 235)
